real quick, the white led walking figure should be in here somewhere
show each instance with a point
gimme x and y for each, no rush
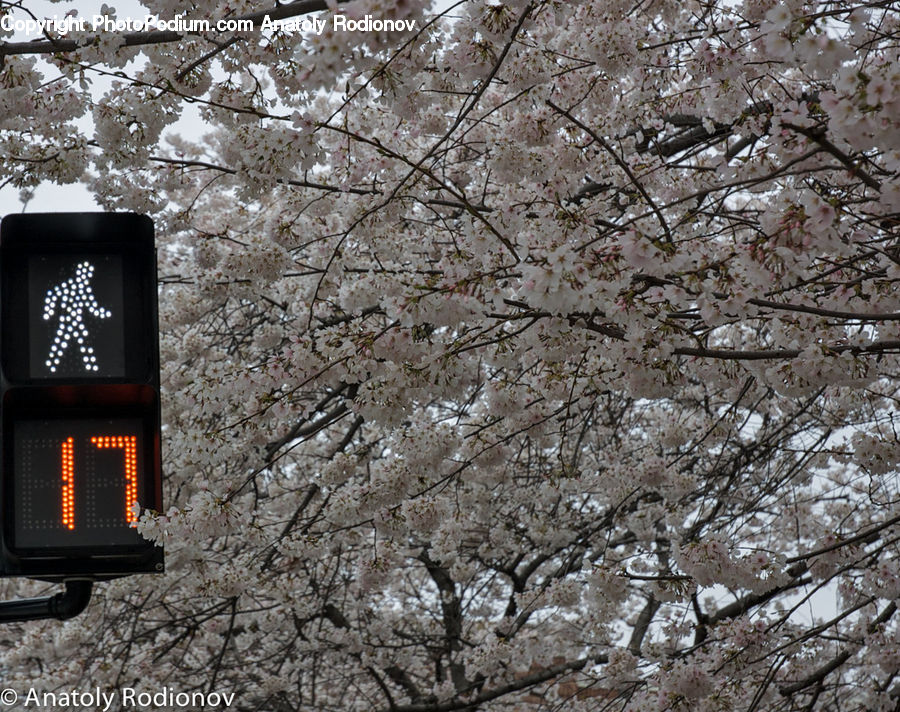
(71, 298)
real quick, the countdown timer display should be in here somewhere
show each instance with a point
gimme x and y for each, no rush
(76, 482)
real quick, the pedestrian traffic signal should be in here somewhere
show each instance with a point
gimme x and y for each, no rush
(79, 373)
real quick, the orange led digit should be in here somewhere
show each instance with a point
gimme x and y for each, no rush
(128, 443)
(68, 487)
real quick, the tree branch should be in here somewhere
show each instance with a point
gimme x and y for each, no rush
(521, 683)
(622, 164)
(838, 660)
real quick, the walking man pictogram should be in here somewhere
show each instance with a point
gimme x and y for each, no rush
(70, 298)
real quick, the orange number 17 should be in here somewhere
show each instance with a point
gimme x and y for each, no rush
(128, 443)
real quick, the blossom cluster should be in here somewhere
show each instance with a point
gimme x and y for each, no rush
(544, 355)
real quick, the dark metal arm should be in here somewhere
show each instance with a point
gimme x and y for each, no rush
(61, 606)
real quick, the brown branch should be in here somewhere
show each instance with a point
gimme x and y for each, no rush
(622, 164)
(451, 610)
(585, 321)
(819, 311)
(306, 428)
(867, 536)
(735, 355)
(206, 57)
(642, 626)
(818, 135)
(184, 163)
(838, 660)
(521, 683)
(751, 600)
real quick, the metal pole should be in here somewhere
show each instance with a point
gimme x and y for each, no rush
(61, 606)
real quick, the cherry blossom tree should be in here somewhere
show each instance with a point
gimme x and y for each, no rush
(540, 357)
